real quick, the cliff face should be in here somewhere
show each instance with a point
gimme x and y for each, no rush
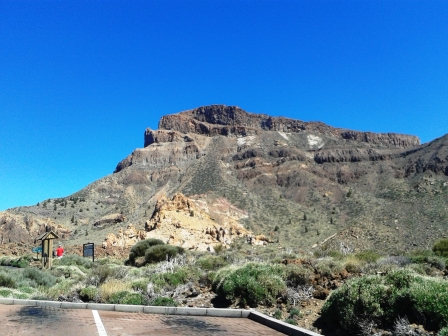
(295, 182)
(231, 120)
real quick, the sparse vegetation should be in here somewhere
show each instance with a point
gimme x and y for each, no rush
(255, 278)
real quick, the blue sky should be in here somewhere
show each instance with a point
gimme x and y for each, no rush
(81, 80)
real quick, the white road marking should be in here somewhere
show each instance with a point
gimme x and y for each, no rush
(99, 324)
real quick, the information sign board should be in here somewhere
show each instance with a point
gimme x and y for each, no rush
(37, 249)
(88, 250)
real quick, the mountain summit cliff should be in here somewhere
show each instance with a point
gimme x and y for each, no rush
(231, 120)
(298, 183)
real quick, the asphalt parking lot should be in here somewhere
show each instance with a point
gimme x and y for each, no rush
(46, 321)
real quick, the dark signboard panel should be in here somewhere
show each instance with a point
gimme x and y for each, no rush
(88, 250)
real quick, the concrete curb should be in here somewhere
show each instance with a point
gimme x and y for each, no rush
(280, 326)
(253, 315)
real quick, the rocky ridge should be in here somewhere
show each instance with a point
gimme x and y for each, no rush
(297, 182)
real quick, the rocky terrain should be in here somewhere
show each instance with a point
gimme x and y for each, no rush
(297, 183)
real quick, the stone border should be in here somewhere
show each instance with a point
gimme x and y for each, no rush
(253, 315)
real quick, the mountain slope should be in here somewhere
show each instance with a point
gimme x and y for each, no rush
(381, 191)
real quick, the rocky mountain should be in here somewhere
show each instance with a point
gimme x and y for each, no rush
(297, 182)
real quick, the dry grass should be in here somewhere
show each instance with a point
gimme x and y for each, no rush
(111, 287)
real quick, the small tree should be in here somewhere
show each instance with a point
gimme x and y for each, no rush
(441, 248)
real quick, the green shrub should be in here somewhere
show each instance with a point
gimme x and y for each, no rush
(89, 293)
(158, 253)
(294, 312)
(141, 284)
(139, 249)
(74, 259)
(252, 283)
(7, 280)
(125, 297)
(23, 261)
(368, 256)
(291, 321)
(5, 292)
(353, 267)
(278, 314)
(41, 278)
(441, 248)
(164, 301)
(21, 296)
(211, 262)
(218, 248)
(5, 261)
(298, 274)
(335, 255)
(443, 332)
(178, 277)
(99, 274)
(27, 290)
(384, 299)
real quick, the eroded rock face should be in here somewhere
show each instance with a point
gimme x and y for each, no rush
(164, 149)
(123, 238)
(110, 219)
(25, 228)
(231, 120)
(188, 222)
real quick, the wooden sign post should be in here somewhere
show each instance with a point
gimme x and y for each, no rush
(47, 248)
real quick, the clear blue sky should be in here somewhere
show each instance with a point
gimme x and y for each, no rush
(81, 80)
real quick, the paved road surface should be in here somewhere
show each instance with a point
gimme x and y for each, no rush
(44, 321)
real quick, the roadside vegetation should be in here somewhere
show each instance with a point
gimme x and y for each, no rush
(365, 293)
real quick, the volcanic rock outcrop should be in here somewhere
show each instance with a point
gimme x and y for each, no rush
(232, 120)
(190, 223)
(295, 182)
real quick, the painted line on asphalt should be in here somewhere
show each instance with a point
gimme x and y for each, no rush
(99, 324)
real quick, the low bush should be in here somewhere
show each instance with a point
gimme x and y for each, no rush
(328, 266)
(41, 278)
(88, 294)
(5, 292)
(383, 299)
(443, 332)
(211, 262)
(139, 249)
(294, 312)
(298, 274)
(22, 262)
(291, 321)
(429, 258)
(252, 283)
(164, 301)
(6, 280)
(99, 274)
(368, 256)
(126, 297)
(169, 280)
(140, 284)
(108, 289)
(158, 253)
(74, 259)
(440, 248)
